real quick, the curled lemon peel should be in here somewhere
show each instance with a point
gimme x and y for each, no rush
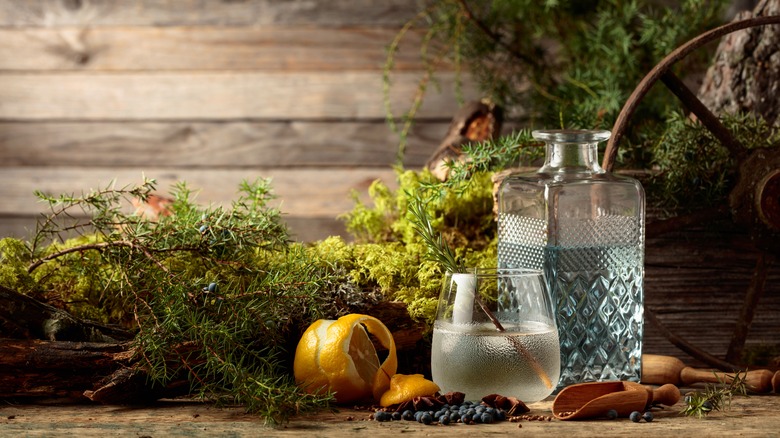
(338, 356)
(405, 387)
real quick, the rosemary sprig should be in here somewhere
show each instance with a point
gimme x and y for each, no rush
(437, 248)
(439, 251)
(714, 397)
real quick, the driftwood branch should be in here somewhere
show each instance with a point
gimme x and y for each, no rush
(476, 121)
(78, 371)
(46, 353)
(56, 369)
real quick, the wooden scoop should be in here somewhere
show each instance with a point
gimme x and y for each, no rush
(594, 399)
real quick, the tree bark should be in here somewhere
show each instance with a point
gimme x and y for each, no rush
(476, 121)
(56, 369)
(745, 74)
(23, 317)
(46, 353)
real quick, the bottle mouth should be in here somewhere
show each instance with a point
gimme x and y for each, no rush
(571, 135)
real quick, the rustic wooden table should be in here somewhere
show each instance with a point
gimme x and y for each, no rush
(755, 416)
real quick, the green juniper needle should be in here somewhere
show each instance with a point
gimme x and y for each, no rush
(438, 250)
(714, 397)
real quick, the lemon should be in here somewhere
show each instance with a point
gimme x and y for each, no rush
(405, 387)
(339, 356)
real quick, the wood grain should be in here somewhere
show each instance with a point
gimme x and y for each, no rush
(208, 145)
(757, 416)
(695, 281)
(197, 12)
(220, 96)
(300, 192)
(265, 48)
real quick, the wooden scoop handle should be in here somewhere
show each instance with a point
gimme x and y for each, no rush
(757, 381)
(667, 395)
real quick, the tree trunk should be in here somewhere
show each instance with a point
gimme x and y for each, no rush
(745, 74)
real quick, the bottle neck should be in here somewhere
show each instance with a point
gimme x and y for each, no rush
(571, 151)
(572, 158)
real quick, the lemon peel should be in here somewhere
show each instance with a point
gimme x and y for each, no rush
(405, 387)
(338, 356)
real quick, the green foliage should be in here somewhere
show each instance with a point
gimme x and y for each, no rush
(461, 212)
(14, 259)
(564, 63)
(216, 295)
(718, 397)
(513, 150)
(437, 249)
(392, 256)
(234, 344)
(219, 296)
(694, 170)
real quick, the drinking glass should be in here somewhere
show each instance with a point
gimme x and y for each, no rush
(495, 333)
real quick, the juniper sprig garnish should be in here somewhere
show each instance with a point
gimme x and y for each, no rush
(437, 248)
(714, 397)
(439, 251)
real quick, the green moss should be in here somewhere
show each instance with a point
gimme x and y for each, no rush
(462, 211)
(390, 255)
(151, 275)
(14, 260)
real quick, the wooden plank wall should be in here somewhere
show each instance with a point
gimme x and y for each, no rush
(211, 92)
(214, 92)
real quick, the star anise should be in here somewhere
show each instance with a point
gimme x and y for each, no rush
(511, 405)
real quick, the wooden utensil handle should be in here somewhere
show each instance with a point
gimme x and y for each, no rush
(757, 381)
(667, 395)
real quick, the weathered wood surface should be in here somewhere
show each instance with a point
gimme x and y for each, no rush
(205, 144)
(695, 281)
(248, 88)
(755, 416)
(311, 199)
(97, 13)
(226, 95)
(312, 192)
(101, 49)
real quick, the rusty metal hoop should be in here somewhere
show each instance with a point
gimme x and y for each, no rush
(663, 72)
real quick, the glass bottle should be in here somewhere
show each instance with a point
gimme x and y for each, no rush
(585, 228)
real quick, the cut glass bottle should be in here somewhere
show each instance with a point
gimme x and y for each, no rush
(585, 228)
